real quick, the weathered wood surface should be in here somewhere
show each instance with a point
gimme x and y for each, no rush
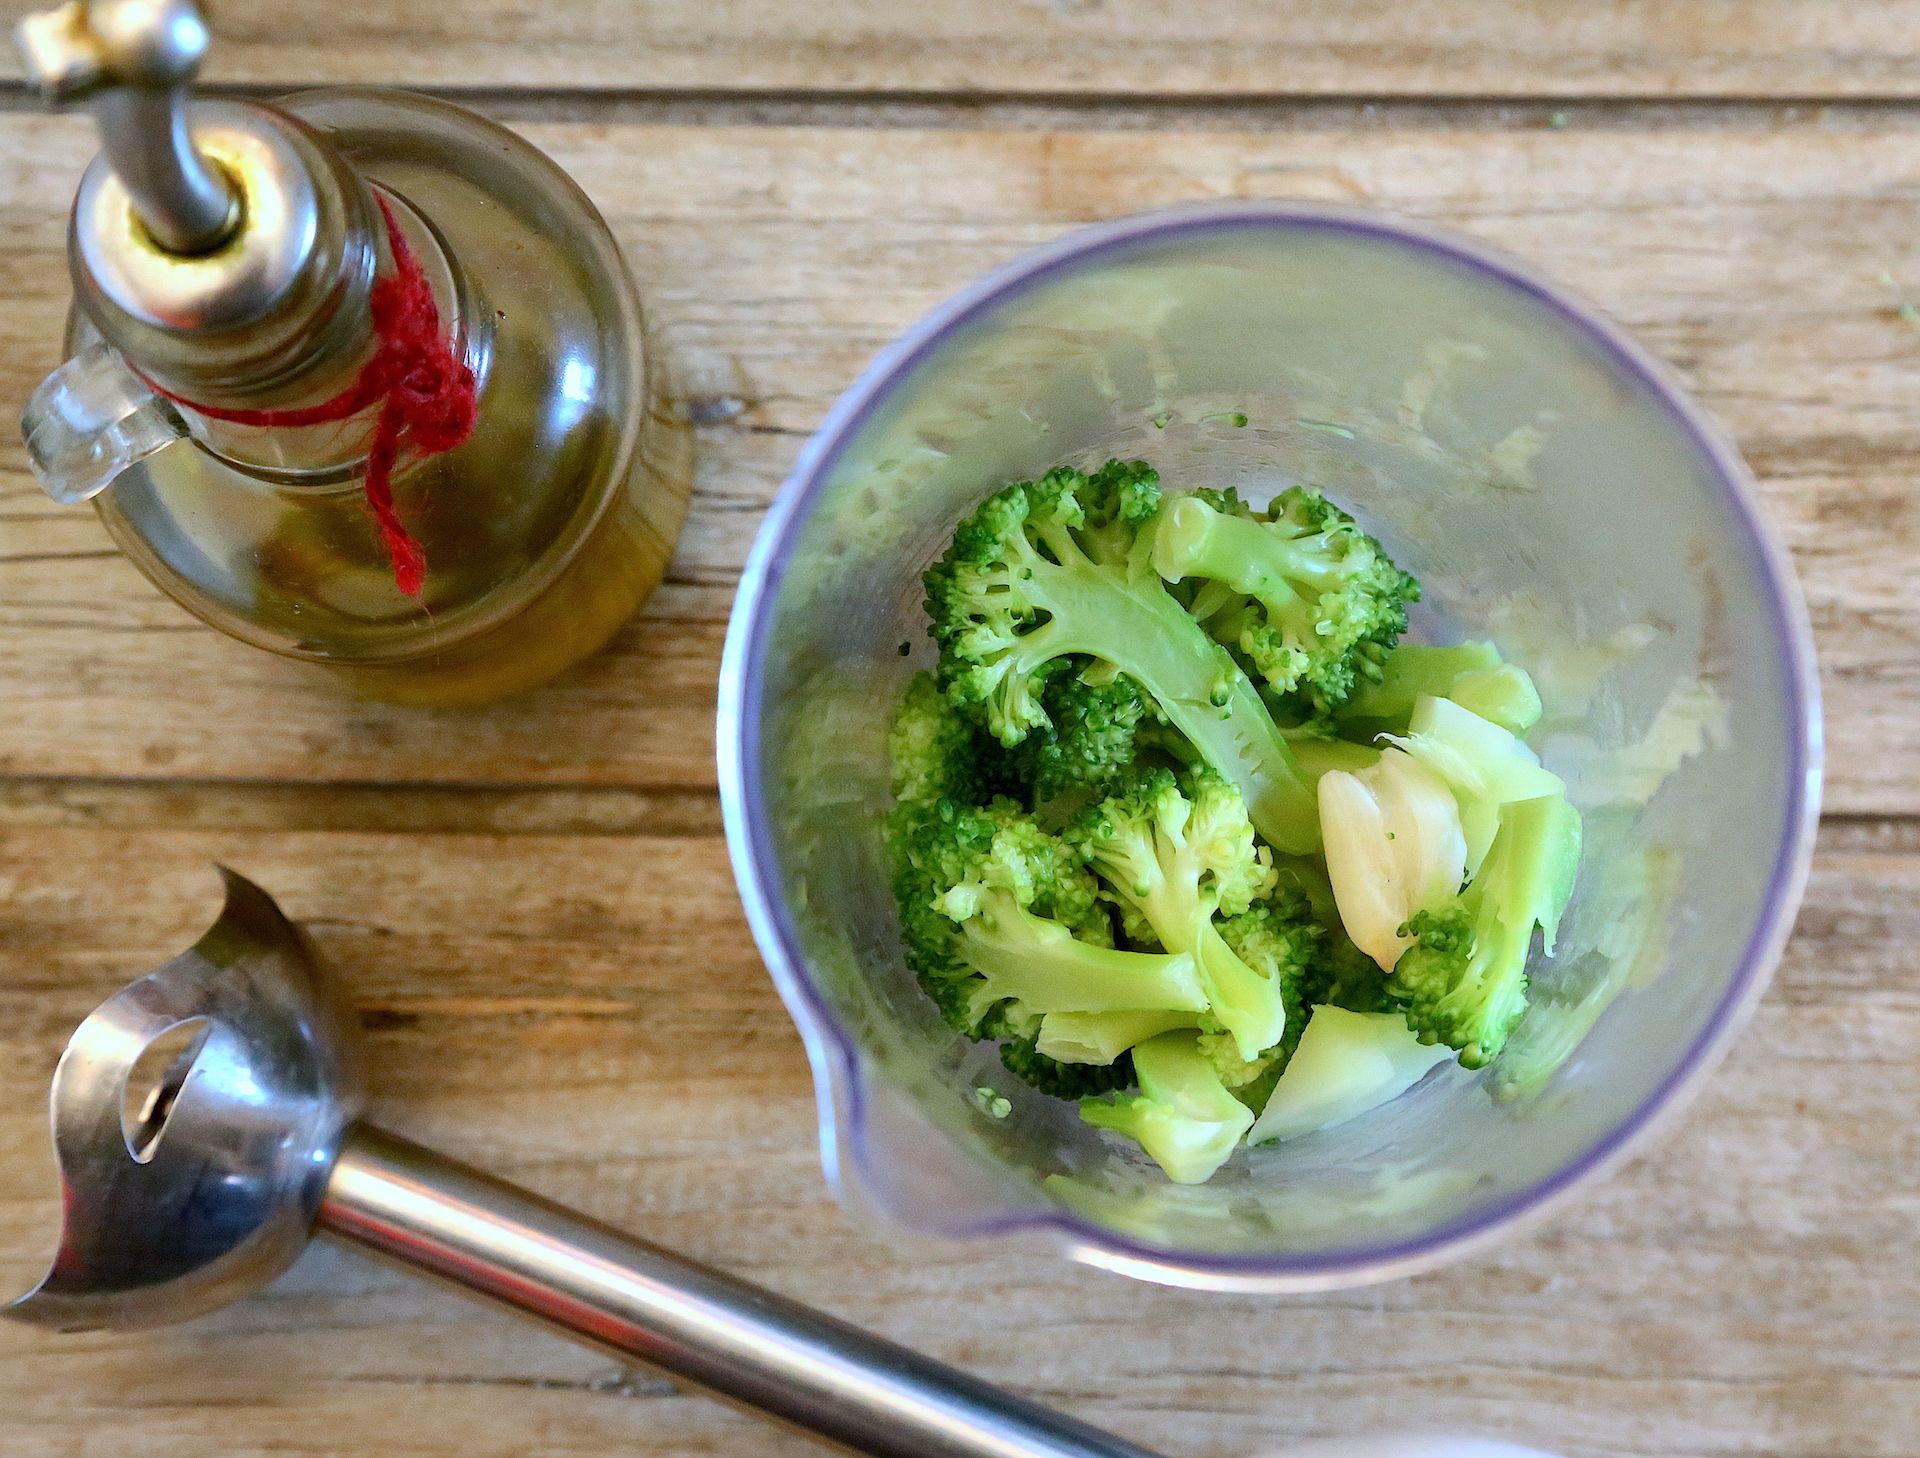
(533, 904)
(1095, 47)
(1748, 251)
(566, 993)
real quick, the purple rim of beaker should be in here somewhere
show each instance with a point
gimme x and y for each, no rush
(837, 1065)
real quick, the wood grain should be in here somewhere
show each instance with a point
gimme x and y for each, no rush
(1749, 252)
(586, 1013)
(1111, 47)
(532, 904)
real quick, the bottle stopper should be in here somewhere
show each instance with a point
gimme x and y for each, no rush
(207, 236)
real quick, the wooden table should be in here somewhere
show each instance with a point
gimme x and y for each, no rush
(533, 906)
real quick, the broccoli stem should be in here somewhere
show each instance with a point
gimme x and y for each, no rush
(1413, 669)
(1194, 540)
(1100, 1038)
(1140, 628)
(1183, 1116)
(1470, 674)
(1041, 964)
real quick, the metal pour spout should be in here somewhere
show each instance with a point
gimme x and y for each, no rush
(134, 60)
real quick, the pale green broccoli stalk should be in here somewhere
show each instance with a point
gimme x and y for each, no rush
(1484, 765)
(1473, 675)
(1320, 754)
(1039, 963)
(1464, 980)
(1322, 602)
(1172, 862)
(1103, 1037)
(1279, 939)
(1064, 1080)
(1185, 1118)
(1056, 569)
(1348, 1064)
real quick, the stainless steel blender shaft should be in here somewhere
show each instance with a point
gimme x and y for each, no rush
(738, 1342)
(207, 1121)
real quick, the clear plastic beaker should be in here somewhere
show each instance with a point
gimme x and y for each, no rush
(1554, 491)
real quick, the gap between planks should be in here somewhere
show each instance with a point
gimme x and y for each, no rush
(1073, 111)
(85, 802)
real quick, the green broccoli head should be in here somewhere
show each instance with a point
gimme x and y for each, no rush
(1003, 925)
(933, 749)
(1279, 939)
(1091, 738)
(998, 627)
(1173, 856)
(1050, 579)
(939, 846)
(1116, 502)
(1320, 602)
(1463, 982)
(1226, 501)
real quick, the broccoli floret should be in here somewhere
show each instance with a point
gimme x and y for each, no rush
(1471, 674)
(1345, 977)
(1225, 500)
(1056, 569)
(1464, 980)
(1001, 922)
(1103, 1037)
(1322, 602)
(1185, 1118)
(1172, 862)
(933, 749)
(1090, 737)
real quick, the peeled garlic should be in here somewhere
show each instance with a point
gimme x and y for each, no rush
(1394, 847)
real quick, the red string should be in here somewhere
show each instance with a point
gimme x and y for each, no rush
(425, 392)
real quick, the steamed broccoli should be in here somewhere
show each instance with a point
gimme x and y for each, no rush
(1183, 1115)
(1173, 861)
(1091, 736)
(1172, 775)
(1345, 977)
(1464, 980)
(933, 751)
(1002, 926)
(1320, 602)
(1062, 1079)
(1057, 569)
(1279, 939)
(1009, 915)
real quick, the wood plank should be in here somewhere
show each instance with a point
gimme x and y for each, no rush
(588, 1016)
(1138, 47)
(1749, 250)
